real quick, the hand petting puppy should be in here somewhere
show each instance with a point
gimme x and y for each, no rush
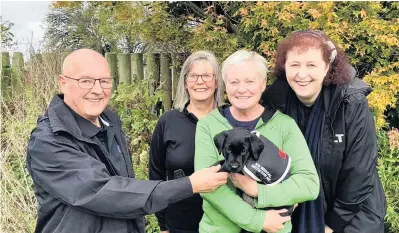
(245, 183)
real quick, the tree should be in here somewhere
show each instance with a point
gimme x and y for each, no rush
(73, 25)
(7, 37)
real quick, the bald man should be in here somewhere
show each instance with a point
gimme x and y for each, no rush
(79, 161)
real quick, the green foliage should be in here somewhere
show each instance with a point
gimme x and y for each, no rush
(19, 115)
(73, 25)
(6, 36)
(214, 38)
(369, 39)
(117, 26)
(385, 82)
(134, 105)
(388, 168)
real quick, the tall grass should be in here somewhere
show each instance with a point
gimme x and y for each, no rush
(18, 118)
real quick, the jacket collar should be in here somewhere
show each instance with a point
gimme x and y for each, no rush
(62, 119)
(276, 95)
(189, 115)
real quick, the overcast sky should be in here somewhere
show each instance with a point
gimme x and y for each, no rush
(28, 21)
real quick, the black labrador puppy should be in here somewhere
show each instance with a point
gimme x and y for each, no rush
(253, 154)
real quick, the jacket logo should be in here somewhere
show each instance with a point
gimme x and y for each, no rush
(282, 154)
(339, 137)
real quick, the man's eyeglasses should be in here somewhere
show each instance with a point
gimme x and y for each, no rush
(205, 77)
(88, 83)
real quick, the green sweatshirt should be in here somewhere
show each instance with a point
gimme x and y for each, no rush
(224, 210)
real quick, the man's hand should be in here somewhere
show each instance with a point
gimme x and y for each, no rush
(167, 231)
(328, 230)
(208, 179)
(245, 183)
(274, 221)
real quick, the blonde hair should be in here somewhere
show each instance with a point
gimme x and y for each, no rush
(182, 95)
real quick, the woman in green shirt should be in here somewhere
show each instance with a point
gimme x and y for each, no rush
(244, 74)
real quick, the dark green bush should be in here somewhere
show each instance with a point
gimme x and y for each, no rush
(388, 168)
(135, 107)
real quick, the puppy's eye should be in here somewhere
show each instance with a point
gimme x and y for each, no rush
(244, 151)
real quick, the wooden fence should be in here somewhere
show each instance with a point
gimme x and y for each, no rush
(162, 70)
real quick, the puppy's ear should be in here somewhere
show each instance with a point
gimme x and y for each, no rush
(255, 146)
(219, 140)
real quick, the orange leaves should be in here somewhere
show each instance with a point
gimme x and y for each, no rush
(243, 12)
(295, 6)
(389, 40)
(363, 13)
(385, 83)
(314, 13)
(285, 16)
(263, 23)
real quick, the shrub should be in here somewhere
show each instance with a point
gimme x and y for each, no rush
(388, 168)
(135, 106)
(19, 115)
(385, 82)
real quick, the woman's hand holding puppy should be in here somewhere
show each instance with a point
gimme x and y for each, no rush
(245, 183)
(274, 221)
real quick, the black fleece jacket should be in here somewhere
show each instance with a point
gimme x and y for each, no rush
(172, 156)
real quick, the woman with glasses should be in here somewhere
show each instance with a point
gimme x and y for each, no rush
(199, 91)
(318, 87)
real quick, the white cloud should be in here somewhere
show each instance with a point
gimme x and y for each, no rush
(27, 18)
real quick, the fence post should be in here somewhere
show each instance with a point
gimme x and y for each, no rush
(137, 66)
(124, 72)
(176, 67)
(5, 75)
(111, 58)
(152, 72)
(166, 81)
(17, 70)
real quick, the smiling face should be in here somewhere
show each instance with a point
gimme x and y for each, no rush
(305, 71)
(200, 89)
(244, 85)
(88, 103)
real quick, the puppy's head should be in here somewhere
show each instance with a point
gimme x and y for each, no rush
(237, 145)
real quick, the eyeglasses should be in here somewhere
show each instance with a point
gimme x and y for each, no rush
(88, 83)
(205, 77)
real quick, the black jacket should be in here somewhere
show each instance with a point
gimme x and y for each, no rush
(77, 186)
(354, 199)
(171, 155)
